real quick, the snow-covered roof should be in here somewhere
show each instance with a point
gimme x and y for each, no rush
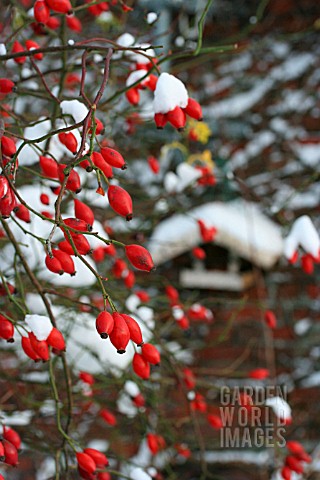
(241, 227)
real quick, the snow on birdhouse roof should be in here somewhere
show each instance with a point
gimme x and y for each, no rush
(241, 227)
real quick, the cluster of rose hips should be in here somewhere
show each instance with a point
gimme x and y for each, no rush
(178, 116)
(10, 443)
(295, 460)
(42, 14)
(91, 460)
(121, 328)
(39, 350)
(196, 312)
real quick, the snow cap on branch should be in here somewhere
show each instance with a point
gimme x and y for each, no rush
(170, 93)
(186, 175)
(131, 388)
(135, 76)
(3, 49)
(280, 407)
(40, 325)
(74, 108)
(152, 17)
(126, 40)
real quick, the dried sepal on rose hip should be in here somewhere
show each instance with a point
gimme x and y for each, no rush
(139, 257)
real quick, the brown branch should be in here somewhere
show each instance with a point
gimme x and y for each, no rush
(83, 76)
(105, 78)
(78, 46)
(35, 66)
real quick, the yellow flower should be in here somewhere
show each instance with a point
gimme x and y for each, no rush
(202, 158)
(201, 129)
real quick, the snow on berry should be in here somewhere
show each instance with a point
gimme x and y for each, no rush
(40, 325)
(281, 408)
(170, 93)
(304, 234)
(74, 108)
